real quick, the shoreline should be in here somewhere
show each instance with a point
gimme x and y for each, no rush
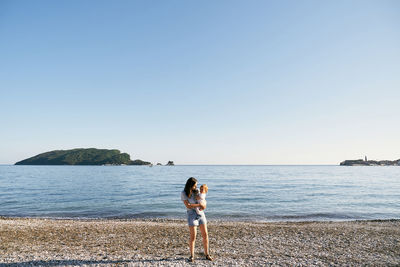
(210, 219)
(163, 242)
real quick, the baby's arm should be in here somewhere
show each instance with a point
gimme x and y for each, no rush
(203, 204)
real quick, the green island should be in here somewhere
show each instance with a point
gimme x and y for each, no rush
(82, 156)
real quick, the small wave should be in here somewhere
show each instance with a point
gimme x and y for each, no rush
(147, 215)
(316, 217)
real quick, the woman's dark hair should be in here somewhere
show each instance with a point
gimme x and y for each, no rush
(189, 184)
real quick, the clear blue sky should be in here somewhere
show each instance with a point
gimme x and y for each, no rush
(202, 82)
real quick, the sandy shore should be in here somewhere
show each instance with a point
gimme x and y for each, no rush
(164, 243)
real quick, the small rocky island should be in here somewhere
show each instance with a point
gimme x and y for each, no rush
(82, 156)
(361, 162)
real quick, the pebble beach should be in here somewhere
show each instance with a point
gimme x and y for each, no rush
(159, 242)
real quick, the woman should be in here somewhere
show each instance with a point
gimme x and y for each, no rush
(194, 219)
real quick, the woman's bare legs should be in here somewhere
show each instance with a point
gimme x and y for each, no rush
(193, 233)
(204, 234)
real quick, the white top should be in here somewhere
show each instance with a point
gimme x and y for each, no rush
(191, 200)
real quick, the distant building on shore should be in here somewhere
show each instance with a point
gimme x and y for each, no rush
(366, 158)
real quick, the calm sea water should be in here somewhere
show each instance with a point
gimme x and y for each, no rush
(262, 193)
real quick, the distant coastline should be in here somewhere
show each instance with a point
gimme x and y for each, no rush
(361, 162)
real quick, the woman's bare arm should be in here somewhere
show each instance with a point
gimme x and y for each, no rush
(192, 206)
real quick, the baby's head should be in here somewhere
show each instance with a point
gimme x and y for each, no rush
(196, 192)
(203, 189)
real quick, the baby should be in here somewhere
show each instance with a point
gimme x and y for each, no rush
(201, 198)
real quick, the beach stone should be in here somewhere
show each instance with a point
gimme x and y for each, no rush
(165, 243)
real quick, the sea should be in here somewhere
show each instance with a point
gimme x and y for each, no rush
(236, 193)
